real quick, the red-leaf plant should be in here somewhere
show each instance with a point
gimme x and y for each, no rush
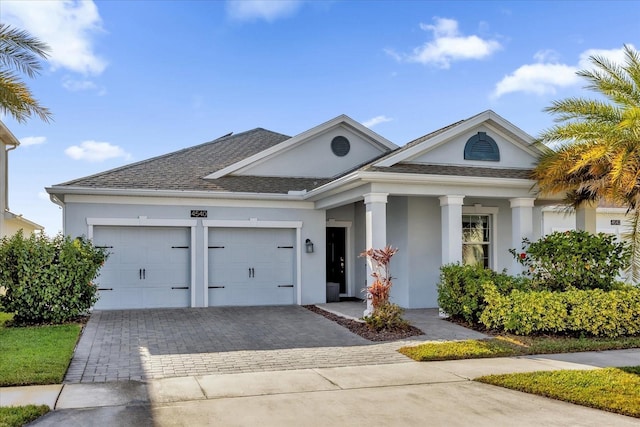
(379, 260)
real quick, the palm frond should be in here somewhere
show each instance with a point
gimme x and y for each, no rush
(17, 100)
(21, 51)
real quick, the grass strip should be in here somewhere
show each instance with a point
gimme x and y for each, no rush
(513, 345)
(16, 416)
(35, 354)
(610, 389)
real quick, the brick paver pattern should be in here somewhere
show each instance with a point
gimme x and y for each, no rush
(159, 343)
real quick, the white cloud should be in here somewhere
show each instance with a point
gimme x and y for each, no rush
(376, 121)
(32, 140)
(94, 151)
(539, 79)
(448, 45)
(546, 76)
(613, 55)
(548, 55)
(68, 27)
(74, 85)
(269, 10)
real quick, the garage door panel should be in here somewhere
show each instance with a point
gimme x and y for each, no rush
(144, 265)
(252, 266)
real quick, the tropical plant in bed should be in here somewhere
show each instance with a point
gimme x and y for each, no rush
(573, 259)
(385, 315)
(48, 280)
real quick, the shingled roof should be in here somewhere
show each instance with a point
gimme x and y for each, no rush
(185, 169)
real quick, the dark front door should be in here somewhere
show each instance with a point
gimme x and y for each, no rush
(337, 257)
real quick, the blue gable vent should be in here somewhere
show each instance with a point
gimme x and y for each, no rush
(481, 147)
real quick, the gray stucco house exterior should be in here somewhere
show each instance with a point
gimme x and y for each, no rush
(261, 218)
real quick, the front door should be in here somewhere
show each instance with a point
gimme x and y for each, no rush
(337, 257)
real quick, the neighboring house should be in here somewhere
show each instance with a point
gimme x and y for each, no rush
(609, 219)
(263, 218)
(10, 222)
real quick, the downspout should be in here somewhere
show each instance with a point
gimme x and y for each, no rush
(6, 177)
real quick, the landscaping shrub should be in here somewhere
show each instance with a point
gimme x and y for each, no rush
(386, 316)
(573, 259)
(592, 312)
(460, 291)
(48, 280)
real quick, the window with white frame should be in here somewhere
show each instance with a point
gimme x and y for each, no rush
(476, 239)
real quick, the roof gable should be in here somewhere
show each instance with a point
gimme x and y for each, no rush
(324, 151)
(446, 146)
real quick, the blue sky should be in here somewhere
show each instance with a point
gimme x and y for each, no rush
(128, 80)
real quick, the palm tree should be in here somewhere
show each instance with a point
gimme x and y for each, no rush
(597, 154)
(20, 52)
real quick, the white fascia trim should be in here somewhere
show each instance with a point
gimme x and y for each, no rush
(435, 141)
(142, 221)
(562, 209)
(298, 139)
(472, 181)
(20, 218)
(170, 193)
(7, 137)
(192, 202)
(250, 223)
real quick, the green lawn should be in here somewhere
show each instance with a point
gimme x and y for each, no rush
(610, 389)
(512, 345)
(37, 354)
(20, 415)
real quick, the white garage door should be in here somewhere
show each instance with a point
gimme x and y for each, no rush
(148, 267)
(251, 266)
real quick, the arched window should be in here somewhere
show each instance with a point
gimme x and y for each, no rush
(481, 147)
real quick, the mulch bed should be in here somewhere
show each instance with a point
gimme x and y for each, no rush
(361, 328)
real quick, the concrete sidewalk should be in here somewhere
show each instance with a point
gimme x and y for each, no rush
(395, 394)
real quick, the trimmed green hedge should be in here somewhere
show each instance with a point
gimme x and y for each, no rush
(460, 291)
(48, 280)
(580, 312)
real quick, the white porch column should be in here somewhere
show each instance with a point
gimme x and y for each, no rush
(521, 225)
(586, 217)
(451, 228)
(375, 230)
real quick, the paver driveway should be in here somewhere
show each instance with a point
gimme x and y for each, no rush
(159, 343)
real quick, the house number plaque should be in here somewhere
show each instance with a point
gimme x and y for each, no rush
(615, 222)
(198, 214)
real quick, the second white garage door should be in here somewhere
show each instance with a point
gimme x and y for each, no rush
(251, 266)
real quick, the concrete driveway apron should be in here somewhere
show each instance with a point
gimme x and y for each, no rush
(161, 343)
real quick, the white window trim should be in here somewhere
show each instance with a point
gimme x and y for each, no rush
(493, 244)
(350, 277)
(252, 223)
(143, 221)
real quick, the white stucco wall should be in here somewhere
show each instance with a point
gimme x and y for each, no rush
(452, 152)
(312, 265)
(556, 219)
(314, 158)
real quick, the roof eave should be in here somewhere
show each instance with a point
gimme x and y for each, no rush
(140, 192)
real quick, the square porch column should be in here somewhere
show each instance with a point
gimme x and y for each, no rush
(586, 217)
(451, 228)
(375, 231)
(521, 225)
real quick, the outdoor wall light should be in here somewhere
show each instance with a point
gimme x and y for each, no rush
(309, 245)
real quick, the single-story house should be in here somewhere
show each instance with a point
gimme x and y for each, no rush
(259, 217)
(10, 222)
